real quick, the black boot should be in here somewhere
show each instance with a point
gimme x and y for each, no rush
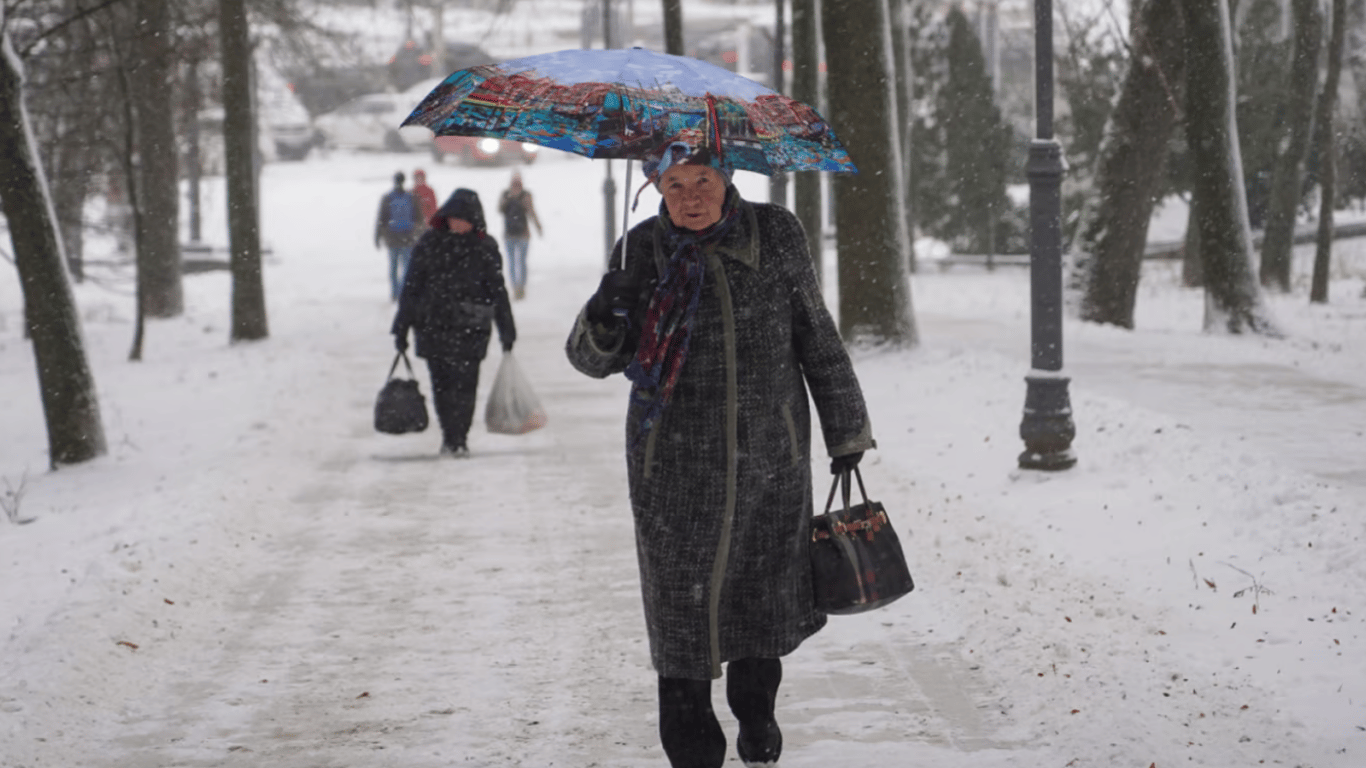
(752, 691)
(688, 728)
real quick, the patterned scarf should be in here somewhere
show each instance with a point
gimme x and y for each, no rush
(667, 330)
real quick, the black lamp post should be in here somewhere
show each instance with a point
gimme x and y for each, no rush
(1047, 428)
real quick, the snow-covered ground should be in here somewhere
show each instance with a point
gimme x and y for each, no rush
(254, 577)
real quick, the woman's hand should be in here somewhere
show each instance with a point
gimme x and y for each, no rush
(845, 463)
(617, 295)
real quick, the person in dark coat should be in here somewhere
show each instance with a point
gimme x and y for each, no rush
(718, 321)
(451, 298)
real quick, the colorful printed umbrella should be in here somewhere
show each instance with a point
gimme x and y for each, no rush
(629, 103)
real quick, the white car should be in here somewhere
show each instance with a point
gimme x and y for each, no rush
(468, 150)
(372, 122)
(281, 115)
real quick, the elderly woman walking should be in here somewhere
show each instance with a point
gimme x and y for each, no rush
(718, 321)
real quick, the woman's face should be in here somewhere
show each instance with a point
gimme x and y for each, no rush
(693, 195)
(459, 226)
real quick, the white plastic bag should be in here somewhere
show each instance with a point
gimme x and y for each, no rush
(513, 408)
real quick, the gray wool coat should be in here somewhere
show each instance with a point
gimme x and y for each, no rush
(721, 487)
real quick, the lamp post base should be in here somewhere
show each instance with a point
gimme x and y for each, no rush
(1047, 428)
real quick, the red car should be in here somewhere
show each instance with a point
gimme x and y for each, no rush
(475, 150)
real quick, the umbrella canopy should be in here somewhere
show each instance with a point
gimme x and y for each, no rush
(630, 103)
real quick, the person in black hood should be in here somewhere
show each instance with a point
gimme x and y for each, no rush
(452, 296)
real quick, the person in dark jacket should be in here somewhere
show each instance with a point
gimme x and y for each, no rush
(398, 225)
(720, 325)
(451, 298)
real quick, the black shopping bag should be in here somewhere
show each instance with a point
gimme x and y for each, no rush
(856, 559)
(400, 407)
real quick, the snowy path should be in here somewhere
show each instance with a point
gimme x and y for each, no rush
(383, 607)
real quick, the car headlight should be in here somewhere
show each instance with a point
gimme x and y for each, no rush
(530, 148)
(488, 146)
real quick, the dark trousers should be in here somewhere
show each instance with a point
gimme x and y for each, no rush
(688, 728)
(454, 385)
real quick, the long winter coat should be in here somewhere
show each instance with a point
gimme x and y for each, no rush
(454, 291)
(721, 486)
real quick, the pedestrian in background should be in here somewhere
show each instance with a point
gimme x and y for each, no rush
(519, 212)
(426, 197)
(718, 322)
(453, 296)
(398, 225)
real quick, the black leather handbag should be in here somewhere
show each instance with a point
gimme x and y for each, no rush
(400, 407)
(856, 559)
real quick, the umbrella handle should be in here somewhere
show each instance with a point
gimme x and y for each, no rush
(625, 228)
(625, 212)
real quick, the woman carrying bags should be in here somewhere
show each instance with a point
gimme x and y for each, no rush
(452, 297)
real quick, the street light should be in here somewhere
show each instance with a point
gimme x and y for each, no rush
(1047, 428)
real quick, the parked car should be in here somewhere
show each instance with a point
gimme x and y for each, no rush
(293, 139)
(413, 61)
(372, 122)
(469, 150)
(212, 157)
(476, 150)
(282, 115)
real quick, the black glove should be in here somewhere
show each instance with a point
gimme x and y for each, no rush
(617, 293)
(401, 342)
(845, 463)
(507, 346)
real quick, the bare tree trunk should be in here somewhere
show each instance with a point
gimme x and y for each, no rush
(131, 177)
(905, 73)
(673, 26)
(1278, 242)
(71, 162)
(1323, 250)
(70, 406)
(1354, 49)
(158, 194)
(1132, 164)
(244, 236)
(1233, 297)
(870, 223)
(1192, 267)
(193, 162)
(806, 44)
(60, 107)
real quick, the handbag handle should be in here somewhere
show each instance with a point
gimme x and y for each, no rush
(404, 357)
(844, 476)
